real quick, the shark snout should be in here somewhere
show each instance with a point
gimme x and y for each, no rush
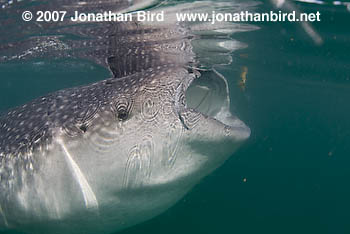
(225, 127)
(236, 129)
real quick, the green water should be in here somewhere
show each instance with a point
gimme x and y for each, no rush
(292, 176)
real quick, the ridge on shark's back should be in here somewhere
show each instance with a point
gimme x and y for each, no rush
(108, 155)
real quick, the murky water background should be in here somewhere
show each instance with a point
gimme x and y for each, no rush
(293, 174)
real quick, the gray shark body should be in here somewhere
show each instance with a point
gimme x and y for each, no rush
(102, 157)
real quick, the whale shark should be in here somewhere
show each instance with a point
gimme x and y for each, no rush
(104, 156)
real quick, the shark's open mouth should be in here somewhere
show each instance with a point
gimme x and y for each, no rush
(209, 94)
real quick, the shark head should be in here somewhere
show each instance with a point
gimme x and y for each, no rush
(121, 150)
(172, 125)
(148, 140)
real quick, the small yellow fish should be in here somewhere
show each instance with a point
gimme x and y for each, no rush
(242, 82)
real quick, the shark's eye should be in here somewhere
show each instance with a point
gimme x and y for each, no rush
(83, 128)
(122, 108)
(122, 114)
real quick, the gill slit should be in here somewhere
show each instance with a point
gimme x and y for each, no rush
(88, 194)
